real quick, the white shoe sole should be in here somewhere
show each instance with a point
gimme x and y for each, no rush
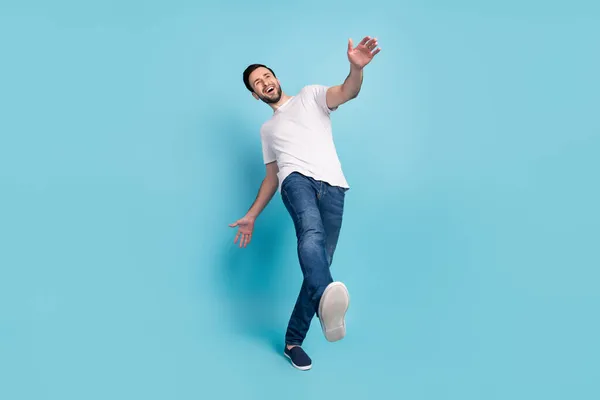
(296, 366)
(332, 311)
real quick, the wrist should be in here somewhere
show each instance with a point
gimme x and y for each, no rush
(355, 69)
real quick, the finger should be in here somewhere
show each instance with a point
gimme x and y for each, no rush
(236, 238)
(234, 224)
(376, 51)
(371, 44)
(365, 40)
(248, 241)
(350, 44)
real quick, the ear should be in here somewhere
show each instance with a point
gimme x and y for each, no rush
(255, 96)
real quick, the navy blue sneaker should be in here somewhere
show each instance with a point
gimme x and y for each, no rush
(298, 357)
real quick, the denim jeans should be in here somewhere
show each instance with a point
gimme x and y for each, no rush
(316, 209)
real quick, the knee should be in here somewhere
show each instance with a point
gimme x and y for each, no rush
(315, 286)
(312, 241)
(313, 256)
(316, 281)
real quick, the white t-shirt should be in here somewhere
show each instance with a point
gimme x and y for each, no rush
(298, 136)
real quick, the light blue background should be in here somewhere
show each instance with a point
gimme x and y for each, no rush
(470, 243)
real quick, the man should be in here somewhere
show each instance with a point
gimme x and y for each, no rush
(302, 163)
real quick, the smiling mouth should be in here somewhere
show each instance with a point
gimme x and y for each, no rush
(270, 90)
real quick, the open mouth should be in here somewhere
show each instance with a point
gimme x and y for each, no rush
(270, 90)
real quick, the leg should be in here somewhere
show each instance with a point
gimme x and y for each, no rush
(300, 196)
(334, 301)
(331, 206)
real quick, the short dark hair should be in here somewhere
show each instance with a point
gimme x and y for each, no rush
(249, 70)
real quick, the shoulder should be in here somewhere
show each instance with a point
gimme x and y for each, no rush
(317, 95)
(266, 127)
(314, 89)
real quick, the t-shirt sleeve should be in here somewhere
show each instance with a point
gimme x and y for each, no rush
(268, 154)
(319, 93)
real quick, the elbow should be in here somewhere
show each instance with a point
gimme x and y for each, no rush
(349, 97)
(271, 181)
(355, 92)
(351, 94)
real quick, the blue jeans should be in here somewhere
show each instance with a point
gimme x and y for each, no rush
(316, 209)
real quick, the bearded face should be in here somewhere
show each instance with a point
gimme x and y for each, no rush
(266, 86)
(271, 93)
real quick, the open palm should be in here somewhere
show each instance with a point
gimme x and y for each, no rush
(245, 227)
(364, 52)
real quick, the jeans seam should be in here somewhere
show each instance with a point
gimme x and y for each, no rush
(297, 217)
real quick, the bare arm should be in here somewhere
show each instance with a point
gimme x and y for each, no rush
(340, 94)
(267, 189)
(359, 57)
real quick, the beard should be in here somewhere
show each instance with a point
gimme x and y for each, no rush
(273, 97)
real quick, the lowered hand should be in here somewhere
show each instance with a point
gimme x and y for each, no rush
(245, 227)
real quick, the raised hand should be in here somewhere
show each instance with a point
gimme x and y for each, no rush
(363, 53)
(245, 227)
